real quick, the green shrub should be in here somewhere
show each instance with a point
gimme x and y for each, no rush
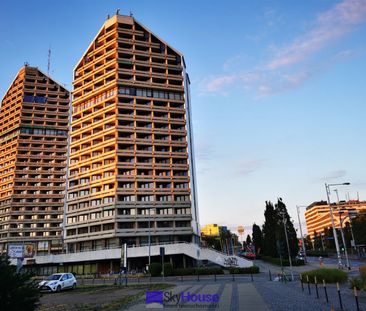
(155, 269)
(328, 275)
(168, 269)
(248, 270)
(358, 283)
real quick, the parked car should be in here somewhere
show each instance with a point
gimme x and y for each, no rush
(300, 256)
(57, 282)
(249, 255)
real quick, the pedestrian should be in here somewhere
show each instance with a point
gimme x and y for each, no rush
(321, 263)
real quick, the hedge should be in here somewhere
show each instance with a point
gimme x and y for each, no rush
(155, 269)
(328, 275)
(248, 270)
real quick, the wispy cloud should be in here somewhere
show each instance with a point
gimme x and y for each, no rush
(294, 63)
(331, 176)
(329, 26)
(249, 167)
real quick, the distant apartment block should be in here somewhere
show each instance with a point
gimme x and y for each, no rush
(33, 151)
(317, 215)
(131, 169)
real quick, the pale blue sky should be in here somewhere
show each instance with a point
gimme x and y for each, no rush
(278, 89)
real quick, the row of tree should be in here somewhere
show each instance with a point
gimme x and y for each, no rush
(271, 239)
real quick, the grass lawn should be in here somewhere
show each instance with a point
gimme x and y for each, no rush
(97, 298)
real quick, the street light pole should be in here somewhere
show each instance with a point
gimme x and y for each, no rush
(343, 239)
(333, 225)
(149, 242)
(302, 237)
(288, 246)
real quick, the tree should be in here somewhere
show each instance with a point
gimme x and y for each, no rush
(257, 238)
(269, 229)
(248, 240)
(329, 238)
(284, 218)
(359, 228)
(317, 241)
(308, 243)
(17, 290)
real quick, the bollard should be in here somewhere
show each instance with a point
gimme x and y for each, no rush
(93, 279)
(126, 279)
(316, 287)
(251, 276)
(198, 277)
(138, 279)
(115, 281)
(302, 284)
(103, 281)
(307, 280)
(215, 277)
(325, 291)
(150, 278)
(270, 275)
(356, 298)
(181, 278)
(339, 296)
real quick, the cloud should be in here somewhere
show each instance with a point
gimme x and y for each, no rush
(329, 26)
(249, 167)
(217, 83)
(332, 175)
(293, 64)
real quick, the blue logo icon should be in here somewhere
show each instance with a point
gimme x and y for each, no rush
(154, 299)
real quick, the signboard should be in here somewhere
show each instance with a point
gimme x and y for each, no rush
(162, 251)
(124, 256)
(15, 250)
(28, 250)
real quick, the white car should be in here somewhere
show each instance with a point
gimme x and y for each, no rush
(57, 282)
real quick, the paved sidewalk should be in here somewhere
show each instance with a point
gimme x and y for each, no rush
(233, 297)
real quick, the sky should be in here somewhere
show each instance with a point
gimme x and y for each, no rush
(277, 88)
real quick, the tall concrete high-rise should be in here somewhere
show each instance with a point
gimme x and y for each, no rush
(33, 152)
(131, 169)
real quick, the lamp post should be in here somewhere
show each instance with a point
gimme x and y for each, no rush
(327, 186)
(149, 242)
(288, 246)
(302, 237)
(343, 239)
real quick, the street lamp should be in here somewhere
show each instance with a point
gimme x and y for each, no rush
(282, 213)
(302, 237)
(149, 242)
(327, 186)
(343, 239)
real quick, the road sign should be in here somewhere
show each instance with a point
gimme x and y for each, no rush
(162, 251)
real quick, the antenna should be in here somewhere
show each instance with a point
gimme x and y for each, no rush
(49, 61)
(117, 12)
(131, 14)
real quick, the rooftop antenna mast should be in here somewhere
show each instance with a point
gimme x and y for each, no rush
(49, 61)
